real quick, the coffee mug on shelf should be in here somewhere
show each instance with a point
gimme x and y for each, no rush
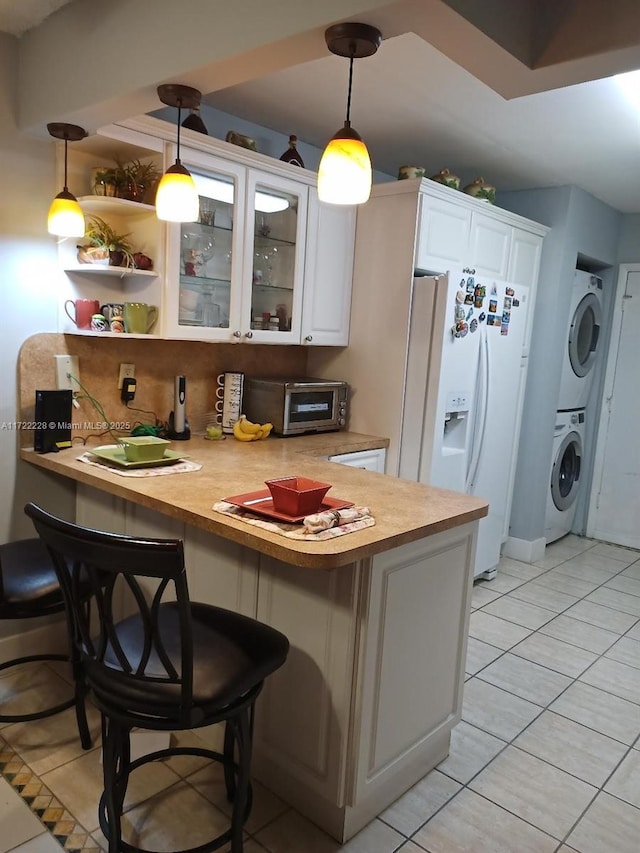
(111, 310)
(80, 311)
(139, 317)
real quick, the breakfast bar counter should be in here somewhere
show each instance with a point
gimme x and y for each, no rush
(404, 511)
(377, 619)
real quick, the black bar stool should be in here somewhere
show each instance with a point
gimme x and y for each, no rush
(28, 588)
(172, 665)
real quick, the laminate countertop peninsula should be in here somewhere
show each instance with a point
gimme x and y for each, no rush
(404, 511)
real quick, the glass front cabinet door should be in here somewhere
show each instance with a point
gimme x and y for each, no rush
(236, 273)
(273, 259)
(204, 263)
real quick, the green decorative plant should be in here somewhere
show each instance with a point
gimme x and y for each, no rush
(136, 178)
(104, 239)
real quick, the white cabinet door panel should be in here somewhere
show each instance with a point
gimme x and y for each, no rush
(443, 235)
(490, 246)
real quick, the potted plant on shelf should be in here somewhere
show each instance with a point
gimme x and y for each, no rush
(137, 179)
(105, 181)
(105, 245)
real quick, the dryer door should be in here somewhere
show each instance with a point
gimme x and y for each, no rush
(565, 475)
(584, 333)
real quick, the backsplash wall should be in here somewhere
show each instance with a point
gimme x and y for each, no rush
(156, 362)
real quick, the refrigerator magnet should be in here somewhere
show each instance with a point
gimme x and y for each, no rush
(507, 303)
(506, 316)
(459, 296)
(470, 286)
(482, 317)
(504, 328)
(493, 306)
(491, 319)
(510, 291)
(471, 281)
(469, 314)
(494, 290)
(515, 303)
(459, 315)
(473, 325)
(462, 330)
(478, 302)
(468, 300)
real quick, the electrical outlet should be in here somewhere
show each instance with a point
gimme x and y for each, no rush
(127, 371)
(66, 367)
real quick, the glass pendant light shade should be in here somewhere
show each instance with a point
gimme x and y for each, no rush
(177, 196)
(66, 218)
(344, 174)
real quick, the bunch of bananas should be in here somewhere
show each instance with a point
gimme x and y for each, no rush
(245, 430)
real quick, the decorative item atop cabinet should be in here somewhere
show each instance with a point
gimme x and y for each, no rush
(481, 190)
(445, 177)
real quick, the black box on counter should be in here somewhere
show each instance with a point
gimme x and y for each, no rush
(52, 421)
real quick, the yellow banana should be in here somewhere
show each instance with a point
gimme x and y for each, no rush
(265, 430)
(240, 435)
(248, 426)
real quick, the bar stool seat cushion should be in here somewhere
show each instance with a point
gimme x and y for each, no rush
(28, 582)
(231, 654)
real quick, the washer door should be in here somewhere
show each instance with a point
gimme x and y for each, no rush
(565, 475)
(584, 333)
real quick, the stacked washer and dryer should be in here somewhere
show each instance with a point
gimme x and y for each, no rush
(580, 354)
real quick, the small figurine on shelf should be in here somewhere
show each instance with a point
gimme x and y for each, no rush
(292, 155)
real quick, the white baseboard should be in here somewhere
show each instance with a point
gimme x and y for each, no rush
(46, 639)
(525, 550)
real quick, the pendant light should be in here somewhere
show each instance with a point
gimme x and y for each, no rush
(344, 174)
(66, 218)
(177, 197)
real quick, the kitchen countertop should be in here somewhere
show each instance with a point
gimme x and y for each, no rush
(404, 511)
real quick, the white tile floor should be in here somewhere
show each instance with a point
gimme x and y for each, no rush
(547, 757)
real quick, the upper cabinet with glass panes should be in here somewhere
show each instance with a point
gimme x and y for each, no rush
(262, 263)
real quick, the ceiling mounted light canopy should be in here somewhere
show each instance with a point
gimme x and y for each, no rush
(177, 196)
(194, 122)
(344, 174)
(66, 218)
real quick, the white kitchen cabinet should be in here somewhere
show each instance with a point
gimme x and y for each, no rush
(331, 231)
(265, 263)
(369, 460)
(489, 245)
(242, 262)
(443, 234)
(524, 268)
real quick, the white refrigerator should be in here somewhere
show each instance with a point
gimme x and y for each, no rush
(463, 393)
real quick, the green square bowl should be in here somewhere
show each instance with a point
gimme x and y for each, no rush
(144, 448)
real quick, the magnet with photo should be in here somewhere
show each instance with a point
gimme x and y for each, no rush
(470, 286)
(494, 290)
(507, 303)
(509, 291)
(468, 300)
(460, 313)
(471, 281)
(515, 303)
(506, 316)
(478, 301)
(504, 328)
(491, 319)
(493, 306)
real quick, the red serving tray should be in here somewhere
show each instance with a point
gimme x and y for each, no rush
(261, 503)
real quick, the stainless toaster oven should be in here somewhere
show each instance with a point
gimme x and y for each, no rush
(296, 406)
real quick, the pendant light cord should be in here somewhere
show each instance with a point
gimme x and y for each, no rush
(66, 142)
(348, 121)
(178, 145)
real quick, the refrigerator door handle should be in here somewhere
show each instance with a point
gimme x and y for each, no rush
(482, 409)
